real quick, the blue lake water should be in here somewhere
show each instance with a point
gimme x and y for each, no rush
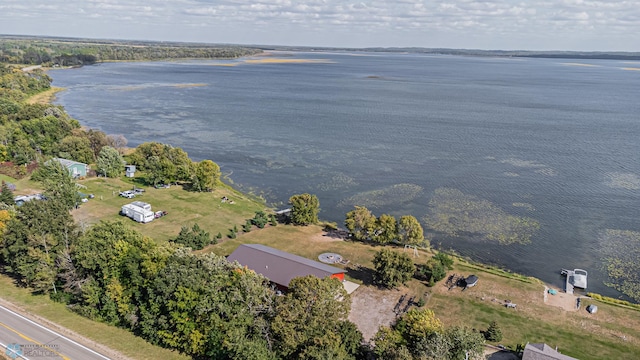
(548, 139)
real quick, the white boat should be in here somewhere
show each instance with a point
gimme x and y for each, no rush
(580, 278)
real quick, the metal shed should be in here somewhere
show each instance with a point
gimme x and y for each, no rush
(281, 267)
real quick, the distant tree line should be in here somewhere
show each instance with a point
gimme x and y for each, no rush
(75, 52)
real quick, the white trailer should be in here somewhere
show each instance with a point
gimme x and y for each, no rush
(138, 213)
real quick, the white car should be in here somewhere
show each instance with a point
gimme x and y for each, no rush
(128, 194)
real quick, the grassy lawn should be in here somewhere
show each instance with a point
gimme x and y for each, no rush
(613, 332)
(184, 208)
(576, 333)
(117, 339)
(23, 186)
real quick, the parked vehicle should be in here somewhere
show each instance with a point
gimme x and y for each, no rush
(138, 211)
(128, 194)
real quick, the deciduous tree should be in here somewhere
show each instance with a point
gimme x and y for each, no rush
(410, 231)
(109, 162)
(392, 268)
(361, 223)
(304, 209)
(308, 317)
(58, 183)
(385, 229)
(206, 176)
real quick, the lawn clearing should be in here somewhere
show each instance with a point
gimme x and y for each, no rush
(184, 208)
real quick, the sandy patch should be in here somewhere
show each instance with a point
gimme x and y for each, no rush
(580, 64)
(287, 61)
(631, 68)
(562, 300)
(372, 308)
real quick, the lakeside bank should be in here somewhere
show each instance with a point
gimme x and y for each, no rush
(283, 129)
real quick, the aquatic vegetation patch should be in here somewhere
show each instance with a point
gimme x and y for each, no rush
(522, 163)
(546, 172)
(337, 181)
(524, 205)
(618, 180)
(621, 256)
(391, 195)
(453, 212)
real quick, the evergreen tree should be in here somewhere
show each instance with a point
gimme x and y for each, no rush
(6, 195)
(493, 332)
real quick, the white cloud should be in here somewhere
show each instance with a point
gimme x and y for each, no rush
(550, 24)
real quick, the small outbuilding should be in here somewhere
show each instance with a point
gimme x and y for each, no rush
(130, 171)
(281, 267)
(76, 169)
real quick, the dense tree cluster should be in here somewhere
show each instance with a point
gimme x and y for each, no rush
(364, 226)
(194, 237)
(164, 164)
(420, 335)
(29, 132)
(70, 52)
(201, 305)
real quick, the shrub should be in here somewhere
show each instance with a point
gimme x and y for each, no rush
(493, 332)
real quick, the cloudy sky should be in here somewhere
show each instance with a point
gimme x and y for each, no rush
(480, 24)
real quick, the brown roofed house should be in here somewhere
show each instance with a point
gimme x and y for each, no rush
(281, 267)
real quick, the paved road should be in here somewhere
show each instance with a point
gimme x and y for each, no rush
(21, 338)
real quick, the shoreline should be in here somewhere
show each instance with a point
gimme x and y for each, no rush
(341, 215)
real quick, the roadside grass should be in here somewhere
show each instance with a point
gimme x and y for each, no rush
(115, 338)
(184, 208)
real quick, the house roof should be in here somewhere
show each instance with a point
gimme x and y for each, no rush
(543, 352)
(278, 266)
(68, 163)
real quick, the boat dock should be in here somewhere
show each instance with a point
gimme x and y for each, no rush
(568, 287)
(574, 278)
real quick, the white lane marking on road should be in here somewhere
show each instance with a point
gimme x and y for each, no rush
(53, 332)
(6, 347)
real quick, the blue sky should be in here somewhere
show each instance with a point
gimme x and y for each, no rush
(479, 24)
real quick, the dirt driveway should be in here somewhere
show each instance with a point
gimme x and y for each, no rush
(372, 308)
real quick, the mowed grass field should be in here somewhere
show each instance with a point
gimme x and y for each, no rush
(612, 333)
(184, 208)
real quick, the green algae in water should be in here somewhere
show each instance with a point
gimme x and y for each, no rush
(452, 212)
(621, 256)
(391, 195)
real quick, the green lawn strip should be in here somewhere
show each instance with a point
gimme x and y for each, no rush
(115, 338)
(184, 208)
(23, 186)
(463, 264)
(518, 327)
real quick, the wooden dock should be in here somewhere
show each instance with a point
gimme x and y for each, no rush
(568, 287)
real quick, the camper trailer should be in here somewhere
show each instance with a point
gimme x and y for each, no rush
(138, 211)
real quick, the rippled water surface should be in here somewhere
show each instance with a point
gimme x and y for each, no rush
(548, 140)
